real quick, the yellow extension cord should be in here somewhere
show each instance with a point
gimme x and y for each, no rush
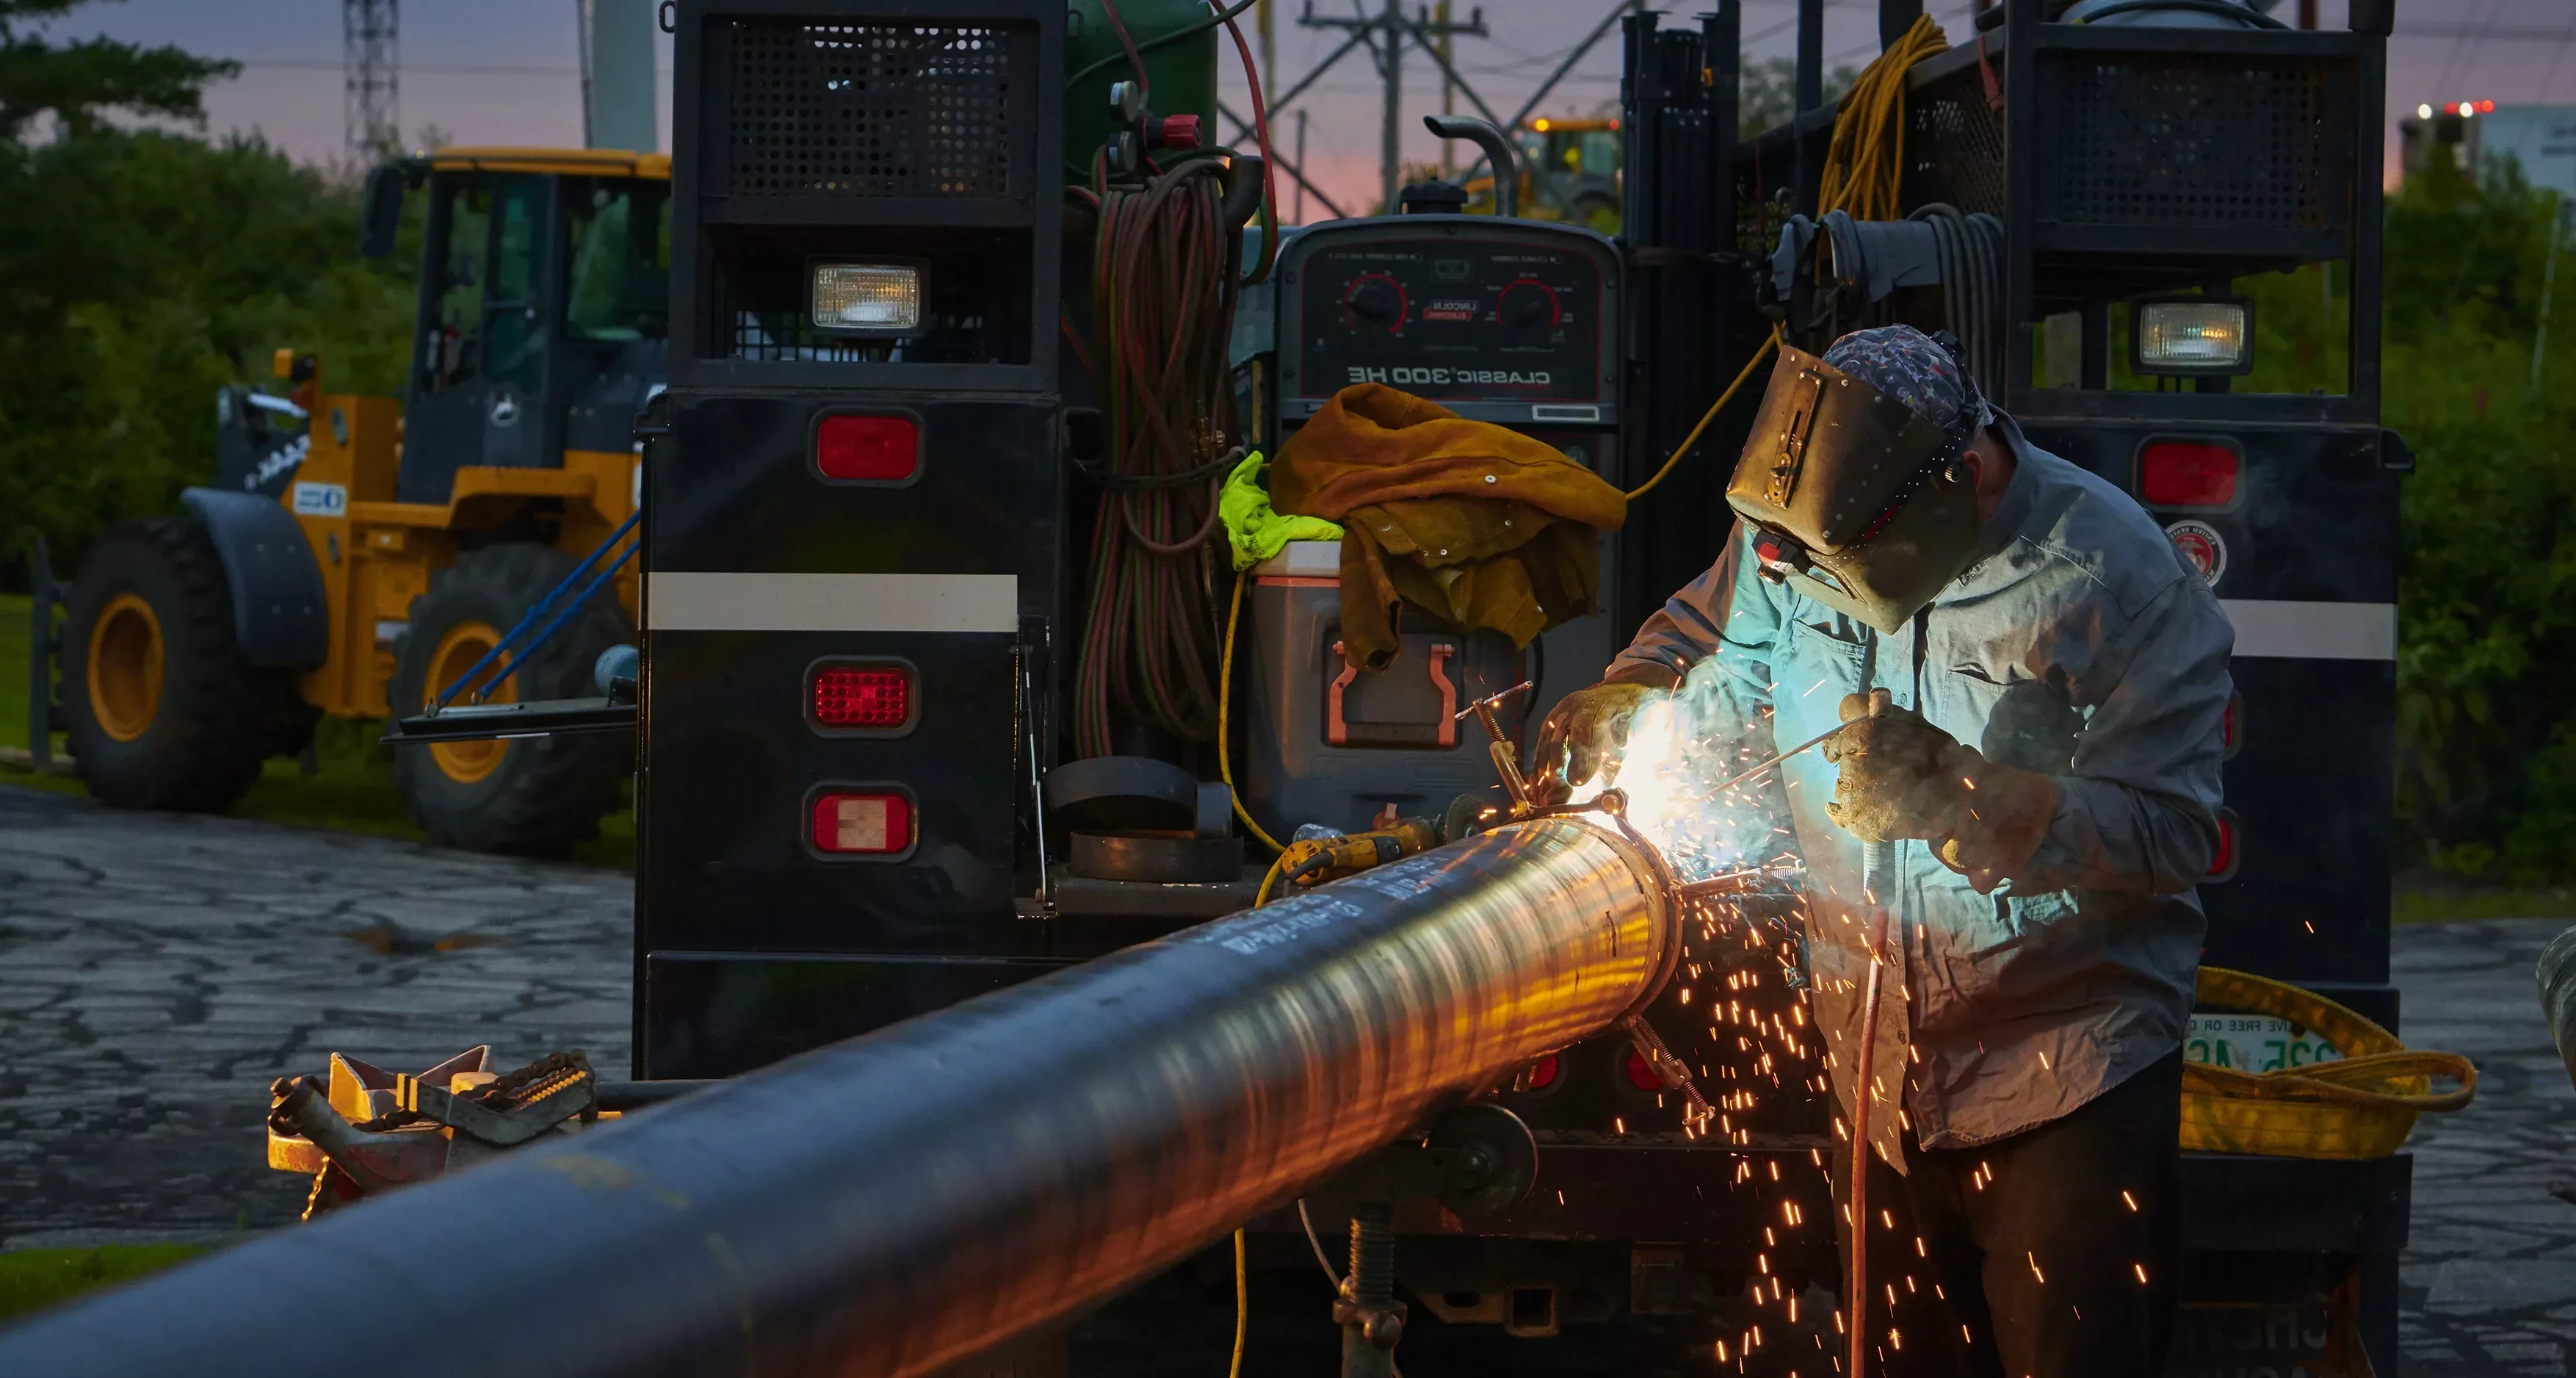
(1867, 156)
(1759, 354)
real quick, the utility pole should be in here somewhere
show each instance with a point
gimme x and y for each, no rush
(369, 67)
(1301, 162)
(1448, 86)
(1387, 32)
(1265, 21)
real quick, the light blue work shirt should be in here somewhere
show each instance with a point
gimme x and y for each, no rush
(2015, 1007)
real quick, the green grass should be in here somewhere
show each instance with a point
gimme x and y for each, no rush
(352, 791)
(33, 1279)
(2444, 903)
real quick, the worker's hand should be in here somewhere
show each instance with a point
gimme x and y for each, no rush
(1585, 729)
(1900, 774)
(1903, 777)
(2002, 816)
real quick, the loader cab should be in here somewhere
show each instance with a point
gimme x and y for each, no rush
(544, 287)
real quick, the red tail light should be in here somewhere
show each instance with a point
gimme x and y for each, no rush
(1541, 1074)
(2223, 865)
(1640, 1072)
(2231, 729)
(874, 697)
(868, 449)
(2187, 473)
(854, 824)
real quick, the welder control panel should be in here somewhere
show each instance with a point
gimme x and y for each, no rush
(1506, 321)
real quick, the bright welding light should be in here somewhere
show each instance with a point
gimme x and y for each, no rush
(1679, 749)
(867, 296)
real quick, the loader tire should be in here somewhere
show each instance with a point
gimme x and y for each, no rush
(534, 796)
(166, 712)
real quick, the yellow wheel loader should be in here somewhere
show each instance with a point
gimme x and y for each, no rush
(359, 555)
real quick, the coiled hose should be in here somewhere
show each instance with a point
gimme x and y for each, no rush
(1163, 295)
(1970, 249)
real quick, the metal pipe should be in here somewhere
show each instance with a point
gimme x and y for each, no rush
(902, 1200)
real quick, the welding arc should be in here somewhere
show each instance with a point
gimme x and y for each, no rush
(1163, 297)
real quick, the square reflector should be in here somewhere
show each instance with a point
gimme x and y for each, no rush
(2187, 473)
(2195, 335)
(862, 824)
(877, 697)
(2223, 865)
(871, 297)
(867, 449)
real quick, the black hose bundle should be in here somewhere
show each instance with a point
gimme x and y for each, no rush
(1163, 286)
(1971, 253)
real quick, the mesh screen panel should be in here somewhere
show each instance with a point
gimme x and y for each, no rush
(1954, 145)
(2178, 139)
(873, 109)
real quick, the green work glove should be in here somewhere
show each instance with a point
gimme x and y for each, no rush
(1585, 729)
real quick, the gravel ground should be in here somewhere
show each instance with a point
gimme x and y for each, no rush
(156, 972)
(2489, 1277)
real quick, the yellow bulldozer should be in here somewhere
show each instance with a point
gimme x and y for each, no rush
(359, 556)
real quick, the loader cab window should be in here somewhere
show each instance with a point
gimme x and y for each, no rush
(451, 356)
(516, 335)
(619, 281)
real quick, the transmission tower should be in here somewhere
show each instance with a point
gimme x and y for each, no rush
(369, 63)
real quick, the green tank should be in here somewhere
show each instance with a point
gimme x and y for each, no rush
(1182, 75)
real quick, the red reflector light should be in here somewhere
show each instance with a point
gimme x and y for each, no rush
(850, 696)
(873, 449)
(863, 824)
(2187, 473)
(1541, 1074)
(1640, 1072)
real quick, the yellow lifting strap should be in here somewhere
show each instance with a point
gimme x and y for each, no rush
(2361, 1105)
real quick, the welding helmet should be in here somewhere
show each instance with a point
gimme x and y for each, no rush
(1855, 482)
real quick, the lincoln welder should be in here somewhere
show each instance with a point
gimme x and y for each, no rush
(963, 615)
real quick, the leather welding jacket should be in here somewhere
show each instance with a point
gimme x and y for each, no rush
(2018, 1006)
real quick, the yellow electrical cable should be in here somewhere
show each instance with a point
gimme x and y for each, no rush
(1269, 882)
(1867, 157)
(1224, 704)
(1242, 1309)
(1710, 415)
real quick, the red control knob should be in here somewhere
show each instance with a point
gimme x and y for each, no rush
(1177, 131)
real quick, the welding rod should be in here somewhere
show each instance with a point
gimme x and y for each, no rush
(1732, 781)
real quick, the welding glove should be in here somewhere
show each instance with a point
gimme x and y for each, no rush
(1901, 777)
(1586, 727)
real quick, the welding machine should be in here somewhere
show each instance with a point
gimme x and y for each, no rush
(1498, 319)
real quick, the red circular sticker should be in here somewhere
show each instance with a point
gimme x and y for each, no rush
(2201, 548)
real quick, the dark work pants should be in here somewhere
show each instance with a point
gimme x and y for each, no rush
(2051, 1254)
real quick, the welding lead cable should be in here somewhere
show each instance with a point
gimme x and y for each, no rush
(1163, 298)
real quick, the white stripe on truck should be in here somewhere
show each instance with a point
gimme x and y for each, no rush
(689, 602)
(2313, 631)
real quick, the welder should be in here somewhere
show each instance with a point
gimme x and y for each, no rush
(2035, 687)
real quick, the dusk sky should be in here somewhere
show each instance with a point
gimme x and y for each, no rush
(505, 71)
